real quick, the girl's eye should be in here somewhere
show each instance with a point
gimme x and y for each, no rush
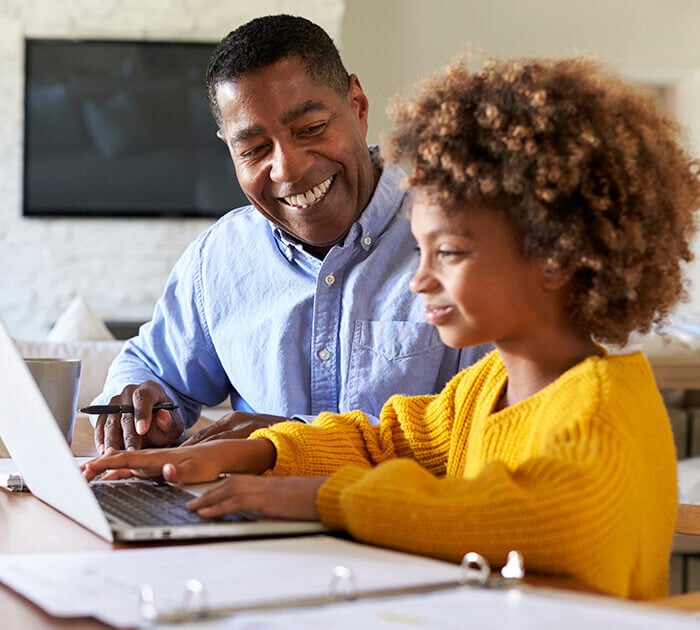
(447, 253)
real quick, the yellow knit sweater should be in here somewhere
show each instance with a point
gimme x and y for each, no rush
(580, 477)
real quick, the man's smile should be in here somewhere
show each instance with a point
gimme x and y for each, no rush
(311, 196)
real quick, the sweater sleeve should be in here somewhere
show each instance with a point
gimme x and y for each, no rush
(415, 427)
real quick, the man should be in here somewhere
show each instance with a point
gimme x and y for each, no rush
(298, 303)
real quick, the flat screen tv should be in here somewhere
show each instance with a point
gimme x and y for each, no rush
(122, 129)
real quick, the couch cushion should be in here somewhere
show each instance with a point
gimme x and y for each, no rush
(79, 322)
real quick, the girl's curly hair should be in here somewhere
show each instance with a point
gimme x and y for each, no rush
(588, 167)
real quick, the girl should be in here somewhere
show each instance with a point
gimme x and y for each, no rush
(553, 208)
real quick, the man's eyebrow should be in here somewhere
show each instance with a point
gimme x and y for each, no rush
(247, 132)
(304, 108)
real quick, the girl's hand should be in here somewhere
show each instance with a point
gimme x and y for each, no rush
(186, 464)
(272, 497)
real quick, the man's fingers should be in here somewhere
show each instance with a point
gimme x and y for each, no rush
(113, 433)
(99, 435)
(131, 439)
(204, 434)
(164, 420)
(143, 399)
(142, 420)
(224, 435)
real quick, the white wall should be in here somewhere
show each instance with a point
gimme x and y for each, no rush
(119, 266)
(391, 43)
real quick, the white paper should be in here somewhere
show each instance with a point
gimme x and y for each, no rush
(107, 585)
(481, 609)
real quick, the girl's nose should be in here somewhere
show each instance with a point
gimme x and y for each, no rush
(422, 281)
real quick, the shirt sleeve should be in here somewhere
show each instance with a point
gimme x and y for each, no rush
(174, 348)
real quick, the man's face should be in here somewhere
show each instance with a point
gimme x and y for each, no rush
(299, 150)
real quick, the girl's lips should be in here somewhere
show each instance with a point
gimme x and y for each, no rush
(437, 315)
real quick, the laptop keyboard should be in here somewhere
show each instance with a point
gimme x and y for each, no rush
(142, 503)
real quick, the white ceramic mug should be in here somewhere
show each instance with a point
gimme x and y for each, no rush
(59, 382)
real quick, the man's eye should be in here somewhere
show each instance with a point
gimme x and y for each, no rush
(254, 152)
(315, 129)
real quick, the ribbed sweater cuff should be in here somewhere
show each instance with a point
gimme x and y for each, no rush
(328, 497)
(284, 464)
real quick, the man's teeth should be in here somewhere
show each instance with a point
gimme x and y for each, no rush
(310, 197)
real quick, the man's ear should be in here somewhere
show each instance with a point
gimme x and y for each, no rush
(359, 102)
(221, 136)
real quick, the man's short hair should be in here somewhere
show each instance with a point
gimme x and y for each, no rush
(266, 40)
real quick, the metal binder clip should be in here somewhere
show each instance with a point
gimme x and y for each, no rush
(343, 584)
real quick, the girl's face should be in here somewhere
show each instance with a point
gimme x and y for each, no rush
(475, 282)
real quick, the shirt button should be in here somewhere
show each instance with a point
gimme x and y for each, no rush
(324, 355)
(367, 240)
(330, 279)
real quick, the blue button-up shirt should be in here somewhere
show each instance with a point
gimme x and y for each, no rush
(248, 314)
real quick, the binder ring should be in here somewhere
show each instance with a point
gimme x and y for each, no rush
(195, 597)
(514, 568)
(194, 604)
(149, 610)
(474, 569)
(343, 584)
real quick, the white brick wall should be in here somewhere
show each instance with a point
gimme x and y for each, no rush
(119, 266)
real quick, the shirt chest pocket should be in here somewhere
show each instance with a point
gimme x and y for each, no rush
(392, 358)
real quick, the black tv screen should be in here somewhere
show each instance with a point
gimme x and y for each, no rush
(122, 129)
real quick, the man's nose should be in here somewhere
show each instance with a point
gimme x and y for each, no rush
(289, 163)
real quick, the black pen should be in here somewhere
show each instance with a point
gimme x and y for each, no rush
(103, 409)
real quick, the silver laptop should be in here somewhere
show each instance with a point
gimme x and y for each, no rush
(42, 456)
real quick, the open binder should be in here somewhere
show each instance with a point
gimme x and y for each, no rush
(136, 587)
(307, 582)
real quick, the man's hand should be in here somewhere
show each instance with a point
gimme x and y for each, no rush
(233, 426)
(142, 428)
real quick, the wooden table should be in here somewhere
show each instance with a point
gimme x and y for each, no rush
(27, 525)
(30, 526)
